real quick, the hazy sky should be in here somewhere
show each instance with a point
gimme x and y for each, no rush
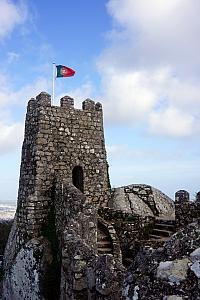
(139, 58)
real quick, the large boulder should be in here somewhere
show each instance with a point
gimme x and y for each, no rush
(143, 200)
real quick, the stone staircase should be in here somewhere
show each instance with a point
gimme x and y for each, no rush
(162, 230)
(104, 243)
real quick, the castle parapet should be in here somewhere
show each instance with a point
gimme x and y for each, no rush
(43, 99)
(67, 102)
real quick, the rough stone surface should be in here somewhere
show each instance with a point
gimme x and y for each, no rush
(60, 142)
(71, 232)
(186, 211)
(131, 230)
(109, 278)
(171, 272)
(164, 204)
(22, 281)
(143, 200)
(84, 275)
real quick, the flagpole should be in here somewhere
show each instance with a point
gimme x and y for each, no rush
(53, 82)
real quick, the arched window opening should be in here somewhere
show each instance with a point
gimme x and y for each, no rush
(77, 178)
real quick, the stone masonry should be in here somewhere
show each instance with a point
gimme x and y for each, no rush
(60, 142)
(186, 211)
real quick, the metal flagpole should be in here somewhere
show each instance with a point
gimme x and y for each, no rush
(53, 83)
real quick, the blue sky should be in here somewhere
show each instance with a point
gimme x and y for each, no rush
(141, 60)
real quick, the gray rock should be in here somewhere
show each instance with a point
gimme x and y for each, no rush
(143, 200)
(23, 280)
(173, 271)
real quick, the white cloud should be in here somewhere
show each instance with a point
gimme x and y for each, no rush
(150, 70)
(10, 97)
(10, 136)
(12, 57)
(117, 152)
(160, 30)
(172, 122)
(11, 131)
(130, 96)
(141, 154)
(11, 15)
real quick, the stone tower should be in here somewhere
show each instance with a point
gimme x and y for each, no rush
(60, 143)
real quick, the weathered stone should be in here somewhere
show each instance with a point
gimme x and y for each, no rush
(173, 271)
(109, 278)
(143, 200)
(22, 281)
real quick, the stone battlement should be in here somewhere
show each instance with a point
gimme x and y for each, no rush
(44, 99)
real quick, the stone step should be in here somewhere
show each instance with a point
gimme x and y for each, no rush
(104, 246)
(105, 239)
(104, 250)
(168, 227)
(155, 237)
(100, 234)
(102, 243)
(161, 232)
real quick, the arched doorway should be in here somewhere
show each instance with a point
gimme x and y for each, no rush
(77, 178)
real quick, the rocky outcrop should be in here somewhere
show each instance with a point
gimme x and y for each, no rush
(142, 200)
(24, 279)
(63, 263)
(171, 272)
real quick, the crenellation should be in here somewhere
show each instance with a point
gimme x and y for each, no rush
(67, 102)
(43, 99)
(98, 106)
(88, 104)
(31, 105)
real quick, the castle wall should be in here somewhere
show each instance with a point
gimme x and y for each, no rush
(57, 139)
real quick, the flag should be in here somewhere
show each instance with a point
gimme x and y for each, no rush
(63, 71)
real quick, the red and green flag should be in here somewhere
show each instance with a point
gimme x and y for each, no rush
(63, 71)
